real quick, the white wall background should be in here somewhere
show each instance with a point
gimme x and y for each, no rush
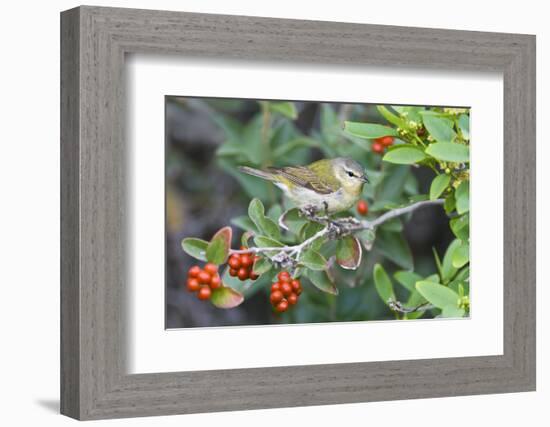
(29, 211)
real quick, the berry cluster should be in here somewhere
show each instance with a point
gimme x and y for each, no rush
(362, 207)
(285, 292)
(203, 280)
(240, 265)
(380, 144)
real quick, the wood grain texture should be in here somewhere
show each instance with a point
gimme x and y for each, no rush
(94, 382)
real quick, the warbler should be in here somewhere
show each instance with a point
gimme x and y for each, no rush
(328, 185)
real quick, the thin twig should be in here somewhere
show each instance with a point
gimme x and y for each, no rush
(398, 307)
(337, 228)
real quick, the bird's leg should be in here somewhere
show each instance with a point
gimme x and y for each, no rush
(309, 211)
(325, 205)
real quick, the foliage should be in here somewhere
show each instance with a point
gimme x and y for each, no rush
(343, 273)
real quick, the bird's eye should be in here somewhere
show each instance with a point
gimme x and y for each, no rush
(350, 174)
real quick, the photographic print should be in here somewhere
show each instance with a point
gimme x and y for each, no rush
(293, 212)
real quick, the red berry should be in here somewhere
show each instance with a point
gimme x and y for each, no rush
(246, 261)
(282, 306)
(204, 293)
(362, 207)
(193, 284)
(211, 269)
(386, 141)
(233, 272)
(235, 262)
(421, 131)
(275, 287)
(243, 273)
(215, 282)
(292, 299)
(276, 297)
(194, 271)
(296, 285)
(204, 278)
(254, 276)
(286, 289)
(283, 276)
(377, 148)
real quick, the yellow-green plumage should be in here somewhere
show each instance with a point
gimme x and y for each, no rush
(328, 185)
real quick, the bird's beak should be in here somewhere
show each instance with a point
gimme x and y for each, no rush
(365, 179)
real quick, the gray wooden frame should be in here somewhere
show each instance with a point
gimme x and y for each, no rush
(94, 41)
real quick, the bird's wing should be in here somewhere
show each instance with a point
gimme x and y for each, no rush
(307, 178)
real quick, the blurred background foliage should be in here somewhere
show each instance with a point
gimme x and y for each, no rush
(207, 138)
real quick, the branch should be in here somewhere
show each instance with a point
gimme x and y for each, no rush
(398, 307)
(334, 228)
(394, 213)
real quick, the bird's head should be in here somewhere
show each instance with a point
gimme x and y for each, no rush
(350, 174)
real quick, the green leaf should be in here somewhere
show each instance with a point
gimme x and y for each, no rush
(392, 118)
(310, 229)
(447, 269)
(261, 266)
(439, 295)
(322, 281)
(462, 196)
(287, 109)
(270, 228)
(464, 125)
(195, 247)
(246, 236)
(404, 154)
(367, 238)
(407, 278)
(313, 260)
(450, 203)
(461, 227)
(449, 152)
(410, 112)
(383, 284)
(452, 311)
(415, 299)
(463, 274)
(267, 226)
(266, 242)
(348, 253)
(394, 247)
(432, 278)
(293, 220)
(368, 130)
(437, 262)
(440, 129)
(274, 212)
(218, 248)
(226, 297)
(439, 184)
(256, 212)
(461, 255)
(245, 223)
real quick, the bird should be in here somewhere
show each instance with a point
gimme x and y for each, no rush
(326, 186)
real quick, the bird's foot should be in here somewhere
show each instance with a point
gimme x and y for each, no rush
(312, 213)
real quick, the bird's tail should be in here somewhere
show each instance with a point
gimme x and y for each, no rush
(256, 172)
